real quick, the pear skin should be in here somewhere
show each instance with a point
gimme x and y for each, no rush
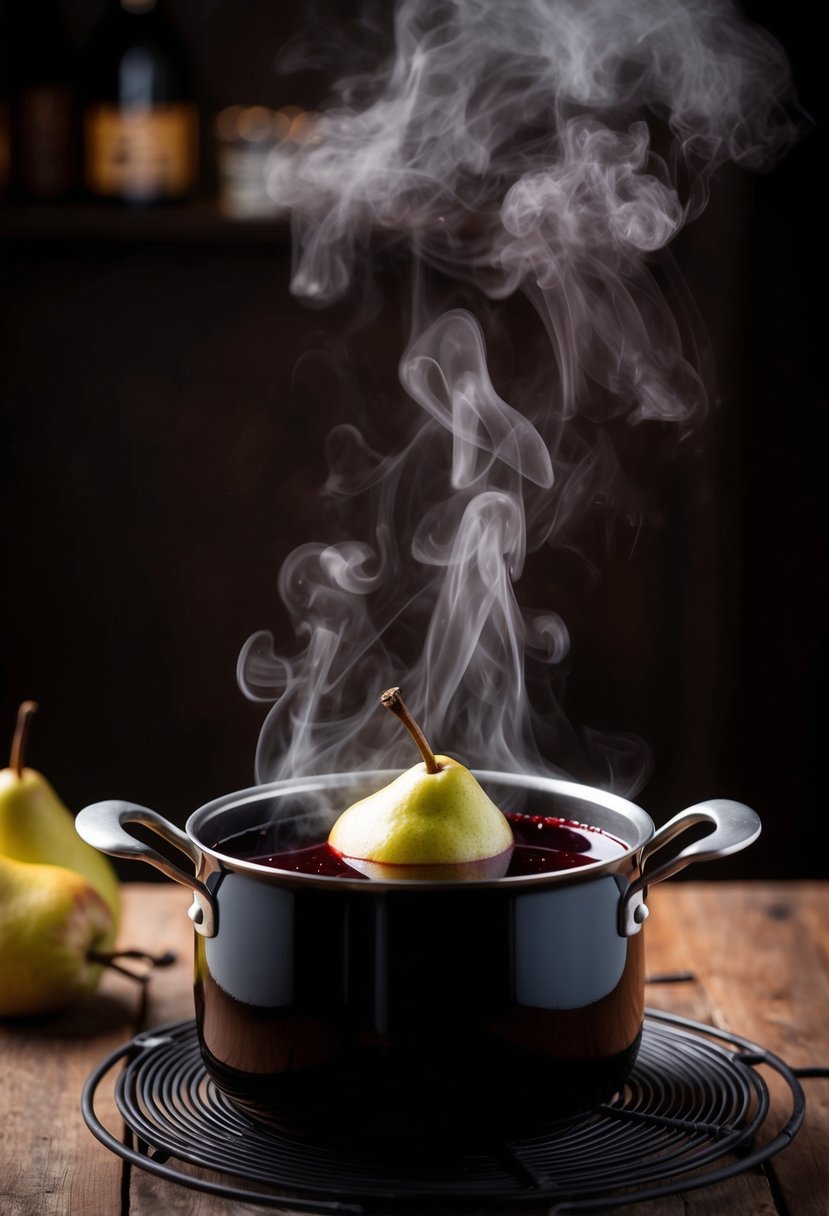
(427, 821)
(50, 919)
(36, 827)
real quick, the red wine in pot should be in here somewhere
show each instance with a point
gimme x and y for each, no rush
(543, 844)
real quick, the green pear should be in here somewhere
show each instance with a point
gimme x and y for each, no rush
(36, 827)
(52, 924)
(434, 821)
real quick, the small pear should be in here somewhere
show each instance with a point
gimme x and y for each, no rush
(52, 924)
(36, 827)
(432, 822)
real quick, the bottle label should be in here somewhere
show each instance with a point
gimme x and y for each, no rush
(141, 154)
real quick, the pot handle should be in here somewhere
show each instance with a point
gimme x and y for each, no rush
(103, 825)
(734, 826)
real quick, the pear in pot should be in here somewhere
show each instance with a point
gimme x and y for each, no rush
(432, 822)
(53, 924)
(36, 827)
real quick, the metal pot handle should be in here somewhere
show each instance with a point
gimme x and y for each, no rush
(734, 826)
(103, 825)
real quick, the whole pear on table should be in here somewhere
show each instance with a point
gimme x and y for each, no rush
(59, 898)
(434, 821)
(53, 924)
(35, 826)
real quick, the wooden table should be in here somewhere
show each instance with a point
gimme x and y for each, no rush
(759, 954)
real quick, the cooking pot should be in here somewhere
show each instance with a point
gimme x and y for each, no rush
(336, 1002)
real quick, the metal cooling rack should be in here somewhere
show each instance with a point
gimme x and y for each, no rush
(689, 1116)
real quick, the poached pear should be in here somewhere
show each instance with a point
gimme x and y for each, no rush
(36, 827)
(434, 821)
(52, 924)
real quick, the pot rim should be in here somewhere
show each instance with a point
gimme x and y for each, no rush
(634, 817)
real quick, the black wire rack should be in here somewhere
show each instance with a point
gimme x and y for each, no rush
(695, 1111)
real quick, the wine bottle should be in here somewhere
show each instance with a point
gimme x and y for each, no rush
(41, 66)
(140, 118)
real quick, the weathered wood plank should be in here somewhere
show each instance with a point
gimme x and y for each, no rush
(759, 953)
(668, 952)
(740, 1196)
(161, 910)
(49, 1163)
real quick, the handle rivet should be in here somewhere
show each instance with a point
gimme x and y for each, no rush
(641, 913)
(196, 913)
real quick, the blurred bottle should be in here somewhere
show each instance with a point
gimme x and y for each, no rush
(140, 119)
(257, 151)
(41, 66)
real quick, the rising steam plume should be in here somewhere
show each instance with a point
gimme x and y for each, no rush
(547, 147)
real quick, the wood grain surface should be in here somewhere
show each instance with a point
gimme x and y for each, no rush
(758, 958)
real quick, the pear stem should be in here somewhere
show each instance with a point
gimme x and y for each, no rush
(109, 958)
(392, 700)
(21, 733)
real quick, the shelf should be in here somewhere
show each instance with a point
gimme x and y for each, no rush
(197, 223)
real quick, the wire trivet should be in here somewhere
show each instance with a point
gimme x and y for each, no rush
(687, 1117)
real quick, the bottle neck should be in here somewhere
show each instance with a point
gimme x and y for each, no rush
(135, 58)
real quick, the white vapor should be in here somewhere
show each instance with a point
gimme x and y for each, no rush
(548, 147)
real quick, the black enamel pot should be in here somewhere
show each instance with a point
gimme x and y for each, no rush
(331, 1001)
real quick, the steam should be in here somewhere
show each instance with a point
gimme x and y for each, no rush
(552, 148)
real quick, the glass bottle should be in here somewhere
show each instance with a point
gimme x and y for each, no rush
(140, 118)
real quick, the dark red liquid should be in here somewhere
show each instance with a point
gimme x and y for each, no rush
(543, 844)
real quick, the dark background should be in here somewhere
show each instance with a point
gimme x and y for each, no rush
(161, 456)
